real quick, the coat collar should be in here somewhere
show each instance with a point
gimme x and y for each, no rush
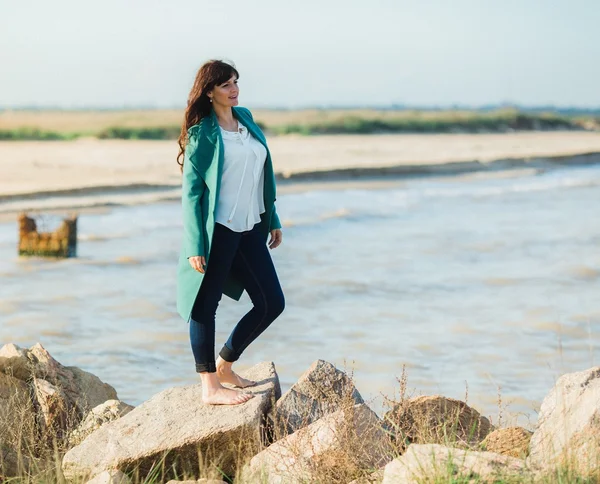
(210, 126)
(210, 147)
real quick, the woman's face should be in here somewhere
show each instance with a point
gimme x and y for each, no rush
(225, 94)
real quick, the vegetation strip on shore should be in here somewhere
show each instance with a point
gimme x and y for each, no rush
(154, 125)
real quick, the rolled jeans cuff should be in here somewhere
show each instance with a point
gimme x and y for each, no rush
(210, 367)
(228, 354)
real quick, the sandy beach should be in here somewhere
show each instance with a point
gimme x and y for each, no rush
(35, 169)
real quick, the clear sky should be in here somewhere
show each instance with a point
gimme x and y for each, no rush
(111, 53)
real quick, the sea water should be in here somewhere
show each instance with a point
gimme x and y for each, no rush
(480, 287)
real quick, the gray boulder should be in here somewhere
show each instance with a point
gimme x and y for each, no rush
(435, 419)
(568, 430)
(437, 463)
(320, 390)
(80, 390)
(98, 416)
(350, 440)
(174, 427)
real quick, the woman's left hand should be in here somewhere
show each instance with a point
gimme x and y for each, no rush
(276, 238)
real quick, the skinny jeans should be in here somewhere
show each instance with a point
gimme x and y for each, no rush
(247, 255)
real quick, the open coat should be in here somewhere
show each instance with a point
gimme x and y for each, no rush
(202, 169)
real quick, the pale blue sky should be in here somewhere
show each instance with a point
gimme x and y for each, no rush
(110, 53)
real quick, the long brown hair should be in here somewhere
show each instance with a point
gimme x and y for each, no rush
(212, 73)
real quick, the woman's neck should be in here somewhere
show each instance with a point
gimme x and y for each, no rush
(225, 117)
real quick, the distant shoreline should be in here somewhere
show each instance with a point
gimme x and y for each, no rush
(450, 168)
(344, 174)
(91, 173)
(98, 197)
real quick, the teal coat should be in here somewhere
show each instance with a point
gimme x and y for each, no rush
(202, 168)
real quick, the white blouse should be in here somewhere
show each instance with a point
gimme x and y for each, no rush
(241, 199)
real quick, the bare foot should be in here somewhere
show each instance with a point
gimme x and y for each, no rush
(226, 396)
(227, 375)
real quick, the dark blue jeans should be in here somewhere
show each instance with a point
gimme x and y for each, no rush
(247, 254)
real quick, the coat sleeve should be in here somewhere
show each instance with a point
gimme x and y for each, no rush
(192, 189)
(275, 223)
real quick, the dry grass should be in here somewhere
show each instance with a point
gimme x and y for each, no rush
(448, 422)
(29, 443)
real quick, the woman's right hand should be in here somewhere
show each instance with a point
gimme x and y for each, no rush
(198, 262)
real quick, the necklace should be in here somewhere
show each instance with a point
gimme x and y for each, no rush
(237, 129)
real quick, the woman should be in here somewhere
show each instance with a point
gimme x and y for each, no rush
(228, 202)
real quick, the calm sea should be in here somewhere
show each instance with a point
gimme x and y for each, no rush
(482, 287)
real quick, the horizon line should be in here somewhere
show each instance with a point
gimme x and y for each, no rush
(389, 106)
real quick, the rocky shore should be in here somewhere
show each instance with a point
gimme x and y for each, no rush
(59, 422)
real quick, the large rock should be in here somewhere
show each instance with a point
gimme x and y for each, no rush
(176, 425)
(512, 441)
(437, 463)
(568, 430)
(98, 416)
(348, 441)
(52, 405)
(437, 420)
(81, 390)
(40, 400)
(87, 390)
(320, 390)
(14, 361)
